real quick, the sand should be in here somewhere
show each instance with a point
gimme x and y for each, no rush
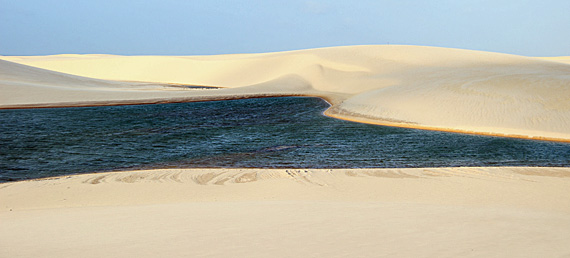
(423, 212)
(561, 59)
(432, 212)
(408, 86)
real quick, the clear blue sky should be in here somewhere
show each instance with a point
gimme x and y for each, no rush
(202, 27)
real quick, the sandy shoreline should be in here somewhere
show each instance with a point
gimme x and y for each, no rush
(327, 179)
(475, 212)
(368, 120)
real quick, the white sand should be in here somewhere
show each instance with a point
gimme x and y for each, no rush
(409, 86)
(436, 212)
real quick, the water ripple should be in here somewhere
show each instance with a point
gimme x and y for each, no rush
(270, 133)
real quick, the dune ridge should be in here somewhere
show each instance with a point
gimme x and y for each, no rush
(409, 86)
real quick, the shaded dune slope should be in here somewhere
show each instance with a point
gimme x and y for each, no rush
(409, 86)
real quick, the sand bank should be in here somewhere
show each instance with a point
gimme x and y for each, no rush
(409, 86)
(478, 212)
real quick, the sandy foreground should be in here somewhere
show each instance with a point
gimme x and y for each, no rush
(430, 212)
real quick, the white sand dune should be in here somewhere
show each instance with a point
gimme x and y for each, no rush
(432, 212)
(28, 87)
(408, 86)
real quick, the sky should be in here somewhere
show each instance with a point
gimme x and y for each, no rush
(202, 27)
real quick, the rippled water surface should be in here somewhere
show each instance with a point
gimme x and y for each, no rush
(268, 133)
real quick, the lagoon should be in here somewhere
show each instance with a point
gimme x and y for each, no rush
(288, 132)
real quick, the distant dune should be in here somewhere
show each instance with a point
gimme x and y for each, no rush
(409, 86)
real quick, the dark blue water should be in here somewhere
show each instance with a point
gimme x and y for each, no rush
(268, 133)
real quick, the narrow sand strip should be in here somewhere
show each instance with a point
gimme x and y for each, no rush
(489, 212)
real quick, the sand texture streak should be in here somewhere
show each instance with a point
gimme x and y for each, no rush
(432, 212)
(408, 86)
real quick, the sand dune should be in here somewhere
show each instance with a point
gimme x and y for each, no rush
(27, 87)
(409, 86)
(490, 212)
(561, 59)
